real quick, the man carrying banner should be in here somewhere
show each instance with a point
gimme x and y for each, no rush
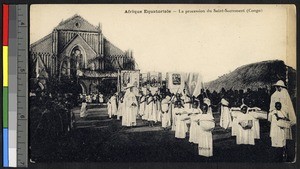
(131, 107)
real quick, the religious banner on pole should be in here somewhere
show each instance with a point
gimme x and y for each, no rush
(130, 77)
(176, 81)
(144, 79)
(155, 81)
(194, 84)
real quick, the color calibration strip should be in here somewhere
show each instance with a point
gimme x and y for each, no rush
(5, 84)
(12, 88)
(15, 83)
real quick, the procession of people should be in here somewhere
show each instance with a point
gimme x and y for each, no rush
(193, 118)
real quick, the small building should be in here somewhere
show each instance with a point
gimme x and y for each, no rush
(77, 53)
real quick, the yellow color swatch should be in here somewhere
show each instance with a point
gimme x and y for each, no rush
(5, 66)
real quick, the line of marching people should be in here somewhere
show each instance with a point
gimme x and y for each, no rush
(184, 114)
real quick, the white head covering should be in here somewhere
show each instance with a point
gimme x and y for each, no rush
(279, 83)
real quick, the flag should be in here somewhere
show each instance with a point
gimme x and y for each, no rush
(40, 68)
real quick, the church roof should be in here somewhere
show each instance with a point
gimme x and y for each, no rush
(76, 22)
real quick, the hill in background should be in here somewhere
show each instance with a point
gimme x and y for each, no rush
(256, 75)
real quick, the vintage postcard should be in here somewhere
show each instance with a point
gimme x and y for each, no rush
(162, 83)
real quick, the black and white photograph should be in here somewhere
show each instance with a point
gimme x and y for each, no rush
(162, 83)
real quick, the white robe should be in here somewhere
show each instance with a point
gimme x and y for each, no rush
(83, 110)
(225, 119)
(180, 128)
(255, 124)
(286, 104)
(205, 141)
(142, 106)
(166, 114)
(245, 136)
(113, 102)
(149, 108)
(158, 113)
(234, 124)
(153, 111)
(194, 128)
(129, 116)
(278, 135)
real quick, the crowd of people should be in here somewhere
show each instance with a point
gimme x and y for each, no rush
(184, 114)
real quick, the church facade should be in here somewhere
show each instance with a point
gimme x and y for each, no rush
(78, 52)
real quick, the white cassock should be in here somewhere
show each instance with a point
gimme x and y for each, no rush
(109, 109)
(166, 114)
(286, 106)
(180, 128)
(279, 129)
(158, 107)
(205, 141)
(149, 108)
(225, 119)
(245, 136)
(255, 124)
(130, 109)
(113, 102)
(173, 116)
(142, 106)
(194, 133)
(146, 110)
(234, 124)
(153, 111)
(83, 109)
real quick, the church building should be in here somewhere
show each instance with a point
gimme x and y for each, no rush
(78, 52)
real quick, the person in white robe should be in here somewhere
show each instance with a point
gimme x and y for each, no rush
(130, 107)
(120, 106)
(281, 95)
(245, 131)
(142, 105)
(279, 124)
(234, 111)
(206, 124)
(181, 116)
(187, 100)
(194, 116)
(101, 99)
(157, 102)
(83, 109)
(253, 112)
(208, 102)
(173, 116)
(166, 115)
(225, 118)
(88, 99)
(148, 107)
(113, 102)
(174, 99)
(150, 110)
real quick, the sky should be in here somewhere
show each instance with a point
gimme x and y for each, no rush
(211, 43)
